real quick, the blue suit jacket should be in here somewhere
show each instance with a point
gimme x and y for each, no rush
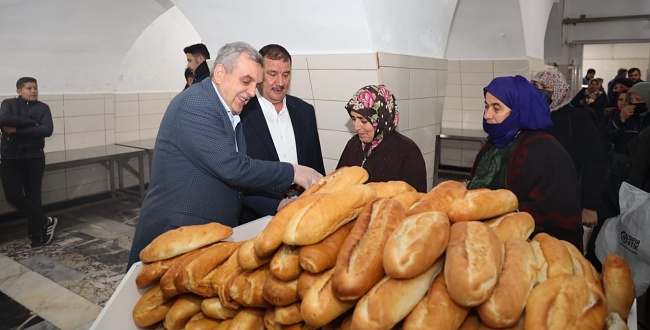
(260, 146)
(198, 175)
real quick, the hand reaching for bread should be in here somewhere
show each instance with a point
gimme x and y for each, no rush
(305, 176)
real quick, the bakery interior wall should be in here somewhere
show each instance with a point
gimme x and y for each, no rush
(108, 68)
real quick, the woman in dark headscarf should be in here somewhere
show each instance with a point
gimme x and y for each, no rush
(386, 154)
(523, 157)
(593, 99)
(579, 136)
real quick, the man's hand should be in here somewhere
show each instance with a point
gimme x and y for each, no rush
(9, 130)
(305, 176)
(589, 218)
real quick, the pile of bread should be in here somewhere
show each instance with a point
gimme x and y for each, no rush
(349, 255)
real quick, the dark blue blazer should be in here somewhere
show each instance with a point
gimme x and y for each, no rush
(198, 176)
(260, 146)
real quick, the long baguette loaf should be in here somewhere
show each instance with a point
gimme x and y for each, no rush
(518, 277)
(437, 311)
(288, 315)
(407, 199)
(582, 266)
(184, 308)
(270, 238)
(306, 281)
(248, 319)
(285, 264)
(321, 256)
(248, 288)
(416, 244)
(184, 239)
(359, 264)
(618, 285)
(439, 198)
(152, 272)
(152, 307)
(343, 177)
(223, 278)
(472, 263)
(201, 322)
(213, 308)
(552, 257)
(390, 188)
(391, 300)
(319, 304)
(482, 204)
(167, 281)
(197, 268)
(318, 220)
(566, 302)
(248, 258)
(203, 287)
(280, 293)
(511, 225)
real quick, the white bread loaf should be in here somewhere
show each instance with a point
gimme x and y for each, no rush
(480, 204)
(314, 222)
(439, 198)
(390, 188)
(566, 302)
(319, 304)
(152, 307)
(343, 177)
(285, 264)
(618, 285)
(511, 225)
(552, 257)
(321, 256)
(518, 277)
(184, 308)
(472, 263)
(437, 311)
(391, 300)
(416, 244)
(184, 239)
(359, 264)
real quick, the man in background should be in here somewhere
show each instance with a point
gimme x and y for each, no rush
(25, 123)
(278, 127)
(197, 55)
(590, 75)
(189, 77)
(634, 75)
(622, 73)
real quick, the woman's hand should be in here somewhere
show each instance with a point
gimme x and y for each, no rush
(589, 218)
(627, 112)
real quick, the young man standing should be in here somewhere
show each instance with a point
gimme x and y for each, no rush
(197, 55)
(25, 123)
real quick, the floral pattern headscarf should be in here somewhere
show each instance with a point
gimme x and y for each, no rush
(554, 79)
(377, 104)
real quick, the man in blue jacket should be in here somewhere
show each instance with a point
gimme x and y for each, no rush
(200, 167)
(25, 123)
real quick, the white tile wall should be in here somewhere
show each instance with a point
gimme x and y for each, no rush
(90, 123)
(340, 84)
(300, 84)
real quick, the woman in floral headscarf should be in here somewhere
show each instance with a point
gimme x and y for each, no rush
(386, 154)
(523, 157)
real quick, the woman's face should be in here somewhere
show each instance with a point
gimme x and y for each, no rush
(495, 111)
(364, 128)
(617, 87)
(622, 100)
(593, 85)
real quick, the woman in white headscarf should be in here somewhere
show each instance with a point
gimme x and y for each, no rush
(578, 134)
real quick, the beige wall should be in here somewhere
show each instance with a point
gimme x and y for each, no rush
(607, 59)
(326, 81)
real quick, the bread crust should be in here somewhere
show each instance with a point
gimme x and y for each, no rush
(280, 293)
(359, 264)
(439, 198)
(480, 204)
(341, 178)
(390, 188)
(436, 310)
(511, 225)
(152, 272)
(152, 307)
(416, 244)
(285, 264)
(319, 304)
(472, 263)
(183, 309)
(321, 256)
(618, 285)
(184, 239)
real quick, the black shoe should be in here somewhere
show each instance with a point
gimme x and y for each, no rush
(35, 242)
(48, 230)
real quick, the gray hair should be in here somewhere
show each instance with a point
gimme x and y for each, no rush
(229, 54)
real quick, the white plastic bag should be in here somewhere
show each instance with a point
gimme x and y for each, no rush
(628, 235)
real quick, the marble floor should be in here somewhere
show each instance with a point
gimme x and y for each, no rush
(66, 284)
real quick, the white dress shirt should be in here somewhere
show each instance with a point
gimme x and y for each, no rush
(234, 119)
(281, 129)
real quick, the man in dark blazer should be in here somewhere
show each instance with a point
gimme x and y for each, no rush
(200, 167)
(277, 127)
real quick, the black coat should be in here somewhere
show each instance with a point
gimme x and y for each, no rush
(33, 123)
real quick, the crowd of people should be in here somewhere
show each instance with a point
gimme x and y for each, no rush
(234, 146)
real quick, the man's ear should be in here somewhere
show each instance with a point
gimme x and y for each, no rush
(219, 73)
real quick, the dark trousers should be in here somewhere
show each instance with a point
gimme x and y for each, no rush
(21, 180)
